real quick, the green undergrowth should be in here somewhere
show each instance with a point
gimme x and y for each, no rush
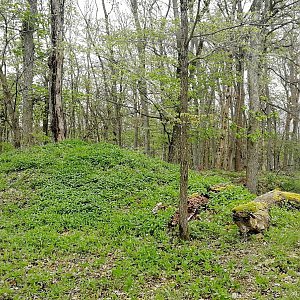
(76, 222)
(286, 182)
(267, 181)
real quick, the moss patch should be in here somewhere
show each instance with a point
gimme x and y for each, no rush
(292, 199)
(250, 207)
(291, 196)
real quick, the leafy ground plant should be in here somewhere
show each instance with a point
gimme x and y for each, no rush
(77, 223)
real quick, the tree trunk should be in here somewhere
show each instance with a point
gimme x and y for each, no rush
(136, 119)
(295, 107)
(174, 145)
(28, 60)
(12, 111)
(56, 70)
(254, 106)
(46, 109)
(222, 154)
(183, 63)
(142, 84)
(240, 100)
(117, 124)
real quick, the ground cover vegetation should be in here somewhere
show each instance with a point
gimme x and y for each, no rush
(137, 73)
(77, 223)
(209, 85)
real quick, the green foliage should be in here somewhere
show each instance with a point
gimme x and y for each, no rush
(4, 147)
(284, 182)
(77, 221)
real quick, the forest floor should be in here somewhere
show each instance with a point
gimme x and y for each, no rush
(76, 222)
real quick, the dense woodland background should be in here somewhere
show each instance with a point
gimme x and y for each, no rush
(110, 71)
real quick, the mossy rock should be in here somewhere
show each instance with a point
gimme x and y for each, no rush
(253, 217)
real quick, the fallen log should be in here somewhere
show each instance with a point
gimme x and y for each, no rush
(254, 217)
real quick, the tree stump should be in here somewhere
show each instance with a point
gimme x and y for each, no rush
(254, 217)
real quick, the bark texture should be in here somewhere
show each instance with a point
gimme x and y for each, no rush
(254, 108)
(56, 70)
(28, 61)
(12, 110)
(183, 63)
(142, 84)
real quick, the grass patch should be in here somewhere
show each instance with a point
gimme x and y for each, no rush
(77, 223)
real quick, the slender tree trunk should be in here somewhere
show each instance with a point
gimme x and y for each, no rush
(222, 154)
(286, 146)
(295, 107)
(254, 106)
(12, 110)
(254, 68)
(142, 84)
(136, 119)
(46, 108)
(117, 124)
(240, 100)
(196, 148)
(174, 145)
(240, 96)
(2, 128)
(183, 63)
(88, 98)
(56, 70)
(270, 155)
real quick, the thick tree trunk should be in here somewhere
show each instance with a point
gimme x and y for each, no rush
(56, 70)
(28, 60)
